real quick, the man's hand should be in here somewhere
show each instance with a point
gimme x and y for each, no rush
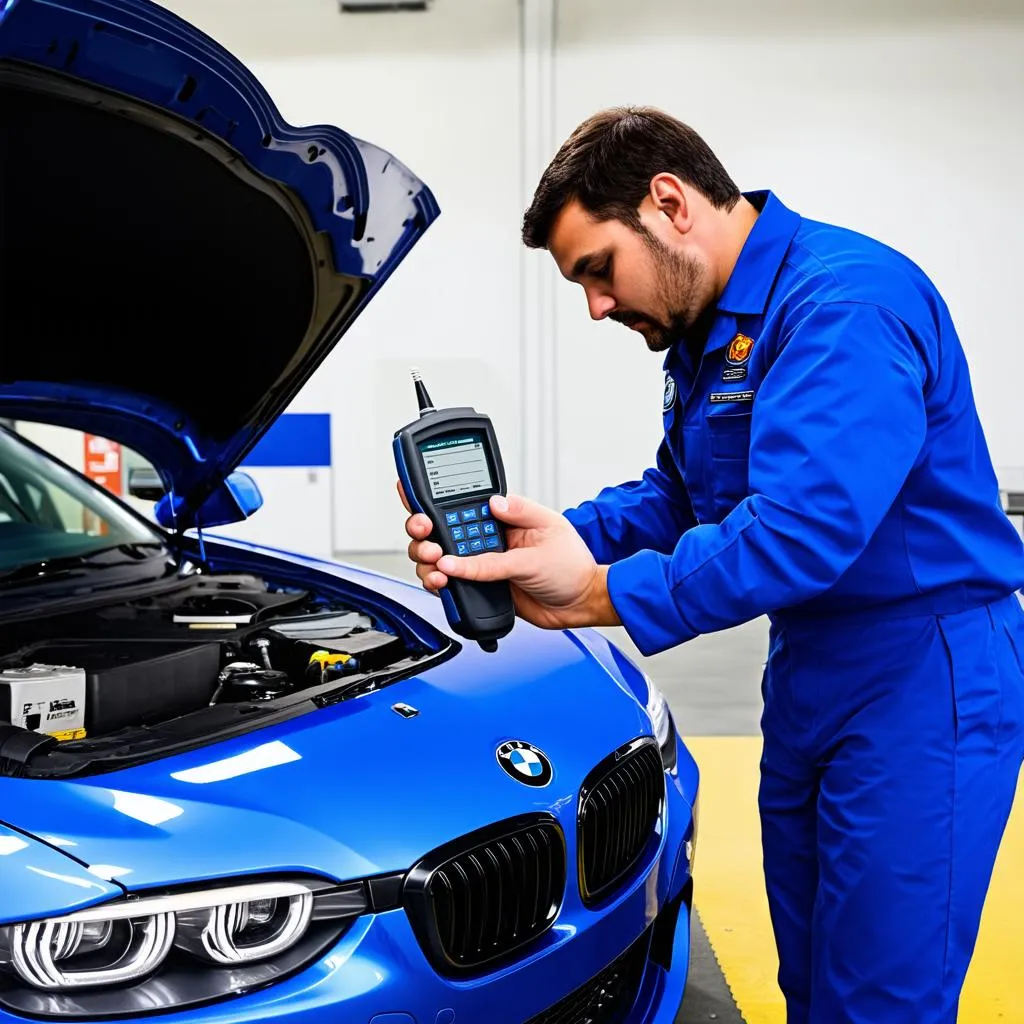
(555, 581)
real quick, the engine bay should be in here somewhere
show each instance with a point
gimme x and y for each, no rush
(188, 661)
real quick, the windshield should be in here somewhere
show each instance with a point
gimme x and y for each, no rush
(49, 513)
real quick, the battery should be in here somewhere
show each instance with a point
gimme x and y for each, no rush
(48, 699)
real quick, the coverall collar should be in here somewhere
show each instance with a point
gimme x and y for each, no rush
(752, 279)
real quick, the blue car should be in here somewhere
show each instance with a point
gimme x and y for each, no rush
(239, 784)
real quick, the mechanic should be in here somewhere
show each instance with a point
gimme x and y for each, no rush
(823, 463)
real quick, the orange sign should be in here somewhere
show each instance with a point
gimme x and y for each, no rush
(102, 465)
(103, 462)
(739, 349)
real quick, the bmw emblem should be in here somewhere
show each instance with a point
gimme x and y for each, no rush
(525, 763)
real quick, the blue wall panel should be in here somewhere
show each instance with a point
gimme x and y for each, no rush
(295, 439)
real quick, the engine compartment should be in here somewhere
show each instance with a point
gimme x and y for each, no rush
(184, 663)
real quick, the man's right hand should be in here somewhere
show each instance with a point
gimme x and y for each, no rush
(555, 582)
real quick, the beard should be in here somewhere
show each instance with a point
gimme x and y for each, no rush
(679, 278)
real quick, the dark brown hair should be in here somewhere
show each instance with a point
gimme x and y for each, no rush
(608, 162)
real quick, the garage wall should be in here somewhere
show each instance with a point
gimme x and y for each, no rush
(67, 445)
(440, 90)
(900, 118)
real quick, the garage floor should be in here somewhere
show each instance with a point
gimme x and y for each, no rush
(712, 685)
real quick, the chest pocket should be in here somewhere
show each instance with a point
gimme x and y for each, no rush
(728, 448)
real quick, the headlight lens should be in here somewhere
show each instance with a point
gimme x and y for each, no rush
(122, 942)
(241, 932)
(67, 953)
(661, 721)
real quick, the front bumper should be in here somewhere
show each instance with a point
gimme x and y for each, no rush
(377, 972)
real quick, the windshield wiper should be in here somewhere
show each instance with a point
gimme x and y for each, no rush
(79, 565)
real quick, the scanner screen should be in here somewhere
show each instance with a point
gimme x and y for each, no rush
(456, 465)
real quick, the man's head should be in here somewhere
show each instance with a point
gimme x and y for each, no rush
(633, 207)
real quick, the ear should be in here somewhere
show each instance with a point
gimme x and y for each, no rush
(668, 195)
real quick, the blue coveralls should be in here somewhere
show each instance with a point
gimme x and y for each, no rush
(824, 464)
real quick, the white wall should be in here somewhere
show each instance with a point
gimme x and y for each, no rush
(903, 119)
(440, 90)
(297, 513)
(68, 445)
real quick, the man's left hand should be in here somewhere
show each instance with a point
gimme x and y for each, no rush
(556, 584)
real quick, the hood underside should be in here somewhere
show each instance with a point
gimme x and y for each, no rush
(177, 260)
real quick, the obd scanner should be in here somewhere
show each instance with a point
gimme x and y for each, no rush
(449, 465)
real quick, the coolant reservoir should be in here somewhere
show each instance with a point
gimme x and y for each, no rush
(44, 698)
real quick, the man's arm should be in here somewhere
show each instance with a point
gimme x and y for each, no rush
(838, 424)
(650, 513)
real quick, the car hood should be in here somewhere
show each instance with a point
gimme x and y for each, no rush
(39, 879)
(369, 791)
(178, 259)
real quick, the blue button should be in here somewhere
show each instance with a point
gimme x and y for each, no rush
(467, 514)
(462, 549)
(458, 533)
(492, 542)
(490, 528)
(485, 511)
(472, 531)
(451, 518)
(476, 545)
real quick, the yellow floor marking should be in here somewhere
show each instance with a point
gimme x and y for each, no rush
(994, 988)
(729, 895)
(728, 878)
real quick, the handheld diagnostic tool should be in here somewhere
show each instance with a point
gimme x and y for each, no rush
(449, 465)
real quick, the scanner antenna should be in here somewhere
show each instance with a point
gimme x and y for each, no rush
(422, 397)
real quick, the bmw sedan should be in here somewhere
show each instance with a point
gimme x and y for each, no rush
(241, 784)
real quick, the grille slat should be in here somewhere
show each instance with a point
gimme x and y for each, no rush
(519, 870)
(501, 881)
(626, 781)
(549, 874)
(494, 872)
(480, 883)
(538, 913)
(621, 802)
(506, 921)
(637, 816)
(465, 891)
(445, 919)
(600, 849)
(472, 905)
(613, 832)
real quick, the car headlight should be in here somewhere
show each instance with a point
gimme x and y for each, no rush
(662, 723)
(172, 950)
(247, 929)
(53, 954)
(118, 943)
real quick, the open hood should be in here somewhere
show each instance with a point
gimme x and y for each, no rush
(177, 260)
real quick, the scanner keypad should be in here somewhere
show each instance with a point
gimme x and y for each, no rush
(473, 530)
